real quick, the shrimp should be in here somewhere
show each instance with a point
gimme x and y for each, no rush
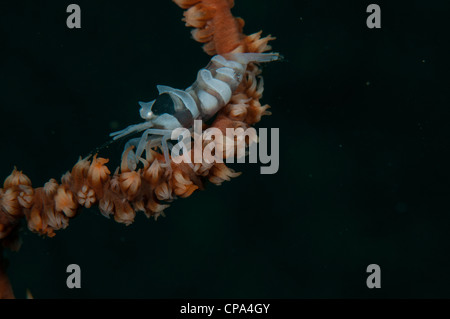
(174, 108)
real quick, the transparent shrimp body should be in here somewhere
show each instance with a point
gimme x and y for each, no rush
(174, 108)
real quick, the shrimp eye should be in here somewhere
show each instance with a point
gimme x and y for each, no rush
(163, 104)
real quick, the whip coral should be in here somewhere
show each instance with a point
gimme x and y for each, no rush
(151, 187)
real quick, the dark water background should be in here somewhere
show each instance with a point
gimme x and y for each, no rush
(364, 171)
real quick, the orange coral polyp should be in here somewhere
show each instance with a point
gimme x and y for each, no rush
(130, 183)
(163, 192)
(16, 178)
(98, 172)
(26, 196)
(51, 187)
(35, 220)
(64, 202)
(153, 173)
(9, 202)
(86, 196)
(197, 16)
(124, 213)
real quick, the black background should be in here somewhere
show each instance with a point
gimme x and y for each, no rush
(364, 172)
